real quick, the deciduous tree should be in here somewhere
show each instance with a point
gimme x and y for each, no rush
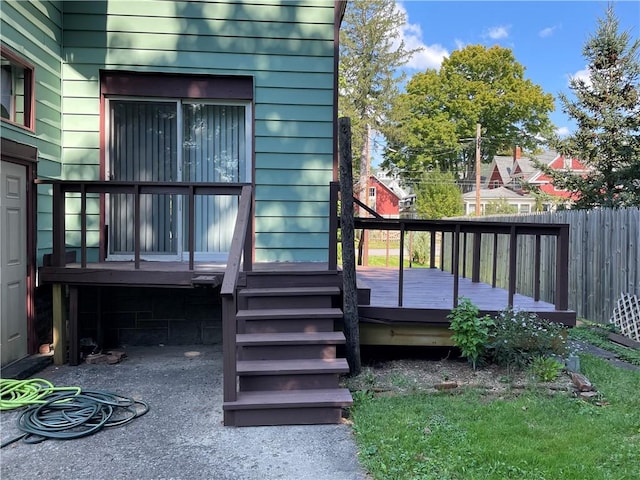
(438, 196)
(434, 122)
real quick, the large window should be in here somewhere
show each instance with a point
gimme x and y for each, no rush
(16, 89)
(175, 128)
(177, 140)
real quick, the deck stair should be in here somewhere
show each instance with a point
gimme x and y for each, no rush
(286, 364)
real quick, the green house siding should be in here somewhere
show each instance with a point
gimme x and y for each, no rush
(288, 49)
(33, 31)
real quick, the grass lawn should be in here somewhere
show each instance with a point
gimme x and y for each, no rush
(471, 436)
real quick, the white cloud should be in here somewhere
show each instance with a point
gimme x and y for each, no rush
(562, 131)
(580, 75)
(429, 56)
(497, 33)
(460, 44)
(547, 32)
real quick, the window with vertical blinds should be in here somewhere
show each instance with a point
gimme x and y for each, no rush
(191, 141)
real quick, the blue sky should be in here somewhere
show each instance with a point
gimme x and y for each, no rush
(546, 37)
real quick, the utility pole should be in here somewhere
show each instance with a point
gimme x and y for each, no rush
(478, 163)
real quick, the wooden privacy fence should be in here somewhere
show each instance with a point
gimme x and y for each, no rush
(604, 258)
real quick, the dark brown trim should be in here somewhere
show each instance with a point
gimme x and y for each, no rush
(29, 88)
(169, 85)
(27, 156)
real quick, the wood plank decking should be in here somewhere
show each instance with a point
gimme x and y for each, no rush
(428, 296)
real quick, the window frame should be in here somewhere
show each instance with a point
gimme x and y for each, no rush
(29, 89)
(179, 88)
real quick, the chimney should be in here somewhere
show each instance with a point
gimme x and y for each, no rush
(516, 153)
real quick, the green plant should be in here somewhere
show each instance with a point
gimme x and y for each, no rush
(518, 337)
(470, 331)
(546, 369)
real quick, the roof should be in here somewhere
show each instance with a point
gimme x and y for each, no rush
(495, 194)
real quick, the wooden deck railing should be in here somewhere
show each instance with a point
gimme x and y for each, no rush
(241, 233)
(459, 230)
(103, 188)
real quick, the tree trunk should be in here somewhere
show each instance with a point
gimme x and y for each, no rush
(350, 292)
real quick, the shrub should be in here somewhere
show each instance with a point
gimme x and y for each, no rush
(546, 369)
(470, 332)
(518, 337)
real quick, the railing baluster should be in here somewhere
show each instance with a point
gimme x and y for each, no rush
(401, 271)
(495, 261)
(536, 270)
(475, 273)
(334, 188)
(83, 225)
(432, 249)
(136, 223)
(59, 230)
(513, 255)
(455, 267)
(562, 269)
(192, 226)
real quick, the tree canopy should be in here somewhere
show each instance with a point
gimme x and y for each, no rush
(433, 124)
(371, 53)
(606, 109)
(438, 196)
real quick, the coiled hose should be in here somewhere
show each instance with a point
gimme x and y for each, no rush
(68, 413)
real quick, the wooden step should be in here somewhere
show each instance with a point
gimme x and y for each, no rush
(288, 297)
(293, 407)
(295, 367)
(287, 346)
(289, 338)
(290, 374)
(275, 320)
(288, 313)
(288, 291)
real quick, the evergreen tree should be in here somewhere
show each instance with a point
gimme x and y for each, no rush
(607, 112)
(371, 52)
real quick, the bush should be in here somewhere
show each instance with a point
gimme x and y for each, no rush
(519, 337)
(470, 332)
(546, 369)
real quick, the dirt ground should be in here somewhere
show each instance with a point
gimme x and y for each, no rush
(402, 376)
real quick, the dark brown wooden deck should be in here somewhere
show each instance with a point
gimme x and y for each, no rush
(428, 297)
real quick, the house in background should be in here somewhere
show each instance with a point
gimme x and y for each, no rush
(385, 196)
(520, 203)
(558, 163)
(518, 173)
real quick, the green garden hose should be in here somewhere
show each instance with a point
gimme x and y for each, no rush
(65, 413)
(20, 393)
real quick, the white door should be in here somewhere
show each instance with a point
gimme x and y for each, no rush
(13, 261)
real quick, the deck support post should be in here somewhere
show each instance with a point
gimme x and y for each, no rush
(59, 325)
(73, 325)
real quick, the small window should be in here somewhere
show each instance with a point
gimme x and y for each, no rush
(567, 163)
(524, 208)
(16, 90)
(372, 191)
